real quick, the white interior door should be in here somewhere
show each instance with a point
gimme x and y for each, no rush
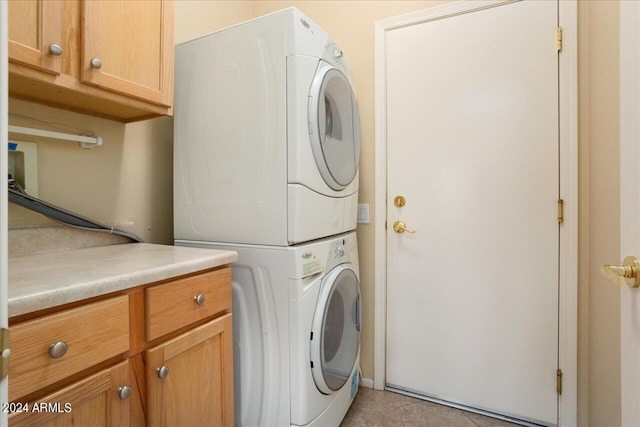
(630, 206)
(472, 145)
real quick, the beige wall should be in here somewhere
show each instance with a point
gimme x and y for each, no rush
(129, 178)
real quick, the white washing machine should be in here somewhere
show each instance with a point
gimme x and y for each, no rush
(266, 135)
(296, 330)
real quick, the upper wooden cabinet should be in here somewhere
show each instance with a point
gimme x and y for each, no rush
(107, 57)
(35, 34)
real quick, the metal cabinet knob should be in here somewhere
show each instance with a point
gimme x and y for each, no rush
(124, 392)
(55, 49)
(96, 63)
(199, 299)
(163, 371)
(58, 349)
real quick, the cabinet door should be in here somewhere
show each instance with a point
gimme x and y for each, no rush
(127, 47)
(94, 401)
(197, 389)
(35, 29)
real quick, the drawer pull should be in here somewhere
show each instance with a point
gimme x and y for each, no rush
(124, 392)
(163, 371)
(58, 349)
(199, 299)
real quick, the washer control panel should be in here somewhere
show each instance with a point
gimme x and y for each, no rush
(323, 256)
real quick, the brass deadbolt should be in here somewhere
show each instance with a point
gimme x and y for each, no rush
(399, 201)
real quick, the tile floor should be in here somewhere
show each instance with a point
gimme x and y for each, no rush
(374, 408)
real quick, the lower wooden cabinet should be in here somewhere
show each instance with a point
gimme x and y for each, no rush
(111, 374)
(93, 401)
(190, 378)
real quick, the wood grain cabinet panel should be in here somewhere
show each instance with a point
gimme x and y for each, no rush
(174, 305)
(93, 401)
(34, 28)
(198, 387)
(92, 333)
(107, 350)
(136, 60)
(52, 44)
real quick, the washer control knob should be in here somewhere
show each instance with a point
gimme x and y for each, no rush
(340, 251)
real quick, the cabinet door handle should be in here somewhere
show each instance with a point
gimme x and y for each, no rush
(163, 371)
(96, 64)
(58, 349)
(199, 299)
(55, 49)
(124, 392)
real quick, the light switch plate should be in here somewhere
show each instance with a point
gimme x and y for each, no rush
(363, 213)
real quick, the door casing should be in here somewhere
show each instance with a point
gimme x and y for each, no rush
(629, 206)
(4, 228)
(568, 117)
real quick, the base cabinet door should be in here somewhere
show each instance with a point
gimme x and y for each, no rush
(190, 378)
(98, 400)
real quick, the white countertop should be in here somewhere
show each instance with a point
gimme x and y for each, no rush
(49, 279)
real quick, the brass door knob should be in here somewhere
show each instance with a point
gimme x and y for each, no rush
(627, 271)
(401, 227)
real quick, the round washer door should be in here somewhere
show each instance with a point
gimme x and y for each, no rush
(335, 333)
(334, 126)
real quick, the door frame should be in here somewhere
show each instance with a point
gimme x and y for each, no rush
(4, 229)
(629, 205)
(568, 136)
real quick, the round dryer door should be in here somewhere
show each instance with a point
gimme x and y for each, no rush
(334, 126)
(335, 334)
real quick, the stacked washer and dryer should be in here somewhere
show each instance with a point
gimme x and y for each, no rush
(267, 146)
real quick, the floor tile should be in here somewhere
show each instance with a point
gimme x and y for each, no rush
(374, 408)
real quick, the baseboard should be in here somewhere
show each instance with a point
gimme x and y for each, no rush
(367, 382)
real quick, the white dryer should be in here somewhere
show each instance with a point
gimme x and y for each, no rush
(296, 331)
(266, 135)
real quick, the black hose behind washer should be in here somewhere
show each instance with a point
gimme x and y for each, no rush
(19, 197)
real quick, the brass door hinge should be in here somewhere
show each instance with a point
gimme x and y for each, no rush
(559, 38)
(560, 211)
(4, 353)
(559, 381)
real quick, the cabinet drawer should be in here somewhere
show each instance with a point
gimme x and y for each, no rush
(174, 305)
(92, 333)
